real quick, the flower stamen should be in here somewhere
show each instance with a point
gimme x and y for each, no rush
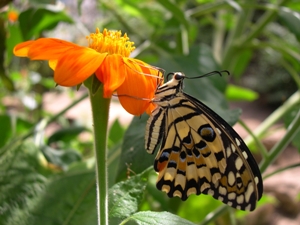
(111, 42)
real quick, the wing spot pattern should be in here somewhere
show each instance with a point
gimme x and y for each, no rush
(233, 148)
(232, 196)
(245, 154)
(238, 163)
(228, 151)
(222, 190)
(207, 133)
(200, 152)
(231, 178)
(237, 142)
(240, 199)
(256, 180)
(249, 192)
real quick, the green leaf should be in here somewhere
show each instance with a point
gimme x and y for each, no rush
(176, 11)
(291, 19)
(237, 93)
(242, 59)
(12, 126)
(66, 134)
(6, 81)
(61, 158)
(68, 198)
(6, 129)
(212, 98)
(126, 196)
(199, 61)
(22, 126)
(156, 218)
(41, 2)
(113, 160)
(196, 208)
(133, 150)
(116, 133)
(115, 139)
(22, 177)
(207, 89)
(15, 37)
(159, 199)
(34, 21)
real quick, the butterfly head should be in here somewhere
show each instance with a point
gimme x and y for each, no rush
(176, 75)
(170, 88)
(177, 79)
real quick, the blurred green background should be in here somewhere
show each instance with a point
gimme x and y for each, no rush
(46, 147)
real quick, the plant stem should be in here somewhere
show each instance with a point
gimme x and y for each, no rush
(292, 130)
(237, 39)
(255, 138)
(274, 117)
(100, 113)
(295, 165)
(215, 214)
(232, 42)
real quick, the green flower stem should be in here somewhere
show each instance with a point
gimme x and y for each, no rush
(100, 113)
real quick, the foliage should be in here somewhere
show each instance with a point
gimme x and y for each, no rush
(50, 179)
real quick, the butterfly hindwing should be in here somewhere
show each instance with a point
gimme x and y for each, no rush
(200, 152)
(243, 183)
(187, 164)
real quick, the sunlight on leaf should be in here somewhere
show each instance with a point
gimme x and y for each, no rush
(237, 93)
(156, 218)
(126, 196)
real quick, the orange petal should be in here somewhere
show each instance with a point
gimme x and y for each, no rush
(111, 73)
(44, 48)
(150, 108)
(76, 65)
(139, 87)
(23, 48)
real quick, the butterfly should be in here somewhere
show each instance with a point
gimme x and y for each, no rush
(200, 152)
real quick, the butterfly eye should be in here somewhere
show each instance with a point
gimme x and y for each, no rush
(178, 76)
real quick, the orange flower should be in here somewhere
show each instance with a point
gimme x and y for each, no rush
(12, 16)
(108, 58)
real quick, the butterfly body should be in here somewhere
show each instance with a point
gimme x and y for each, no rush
(200, 152)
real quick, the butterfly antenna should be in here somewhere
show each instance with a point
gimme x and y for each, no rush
(169, 74)
(210, 74)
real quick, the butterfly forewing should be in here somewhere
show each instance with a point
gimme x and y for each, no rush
(200, 152)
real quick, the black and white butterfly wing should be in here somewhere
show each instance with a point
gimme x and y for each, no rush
(201, 153)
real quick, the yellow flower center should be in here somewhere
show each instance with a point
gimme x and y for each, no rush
(110, 42)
